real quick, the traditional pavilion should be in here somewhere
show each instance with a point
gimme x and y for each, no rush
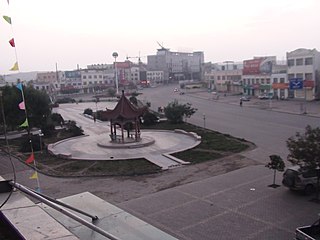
(124, 117)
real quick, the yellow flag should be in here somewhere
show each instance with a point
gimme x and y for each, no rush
(34, 176)
(15, 67)
(7, 18)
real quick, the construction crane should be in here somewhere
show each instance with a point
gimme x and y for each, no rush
(162, 47)
(136, 57)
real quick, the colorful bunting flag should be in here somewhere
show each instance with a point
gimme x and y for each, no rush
(34, 176)
(22, 106)
(30, 159)
(8, 1)
(25, 123)
(11, 41)
(8, 19)
(19, 86)
(15, 67)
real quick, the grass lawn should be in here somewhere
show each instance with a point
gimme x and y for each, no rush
(214, 145)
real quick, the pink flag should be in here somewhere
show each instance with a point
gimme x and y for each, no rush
(22, 106)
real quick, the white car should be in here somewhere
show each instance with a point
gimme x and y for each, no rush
(176, 90)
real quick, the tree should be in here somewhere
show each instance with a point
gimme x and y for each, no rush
(37, 104)
(276, 164)
(111, 92)
(175, 112)
(149, 119)
(304, 150)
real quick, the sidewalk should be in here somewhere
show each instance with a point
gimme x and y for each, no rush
(292, 106)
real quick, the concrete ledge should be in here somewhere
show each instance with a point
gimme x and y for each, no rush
(176, 159)
(191, 134)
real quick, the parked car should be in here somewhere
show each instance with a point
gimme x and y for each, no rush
(300, 179)
(264, 96)
(245, 98)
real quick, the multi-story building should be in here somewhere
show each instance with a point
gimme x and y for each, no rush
(256, 76)
(94, 80)
(49, 81)
(304, 65)
(155, 78)
(225, 77)
(177, 65)
(279, 80)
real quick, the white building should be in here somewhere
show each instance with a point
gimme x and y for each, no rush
(304, 65)
(155, 77)
(225, 77)
(96, 80)
(279, 79)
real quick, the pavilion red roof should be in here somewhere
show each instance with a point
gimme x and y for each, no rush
(124, 109)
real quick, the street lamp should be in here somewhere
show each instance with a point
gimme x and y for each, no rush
(40, 135)
(115, 55)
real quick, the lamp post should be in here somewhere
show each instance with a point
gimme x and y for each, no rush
(115, 55)
(40, 139)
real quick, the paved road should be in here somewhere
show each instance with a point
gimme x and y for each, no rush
(269, 130)
(238, 204)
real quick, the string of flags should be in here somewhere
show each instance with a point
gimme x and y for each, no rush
(22, 105)
(8, 19)
(31, 158)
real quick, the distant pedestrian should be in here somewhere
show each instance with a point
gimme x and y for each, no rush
(240, 102)
(94, 118)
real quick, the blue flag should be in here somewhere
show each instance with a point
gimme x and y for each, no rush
(19, 85)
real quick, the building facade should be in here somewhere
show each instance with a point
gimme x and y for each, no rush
(225, 77)
(304, 65)
(256, 76)
(177, 65)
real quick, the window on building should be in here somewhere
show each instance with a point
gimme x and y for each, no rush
(290, 62)
(275, 80)
(308, 61)
(218, 77)
(223, 77)
(84, 83)
(308, 76)
(244, 81)
(299, 61)
(84, 77)
(100, 76)
(282, 80)
(290, 76)
(262, 81)
(90, 77)
(268, 80)
(95, 76)
(249, 82)
(299, 75)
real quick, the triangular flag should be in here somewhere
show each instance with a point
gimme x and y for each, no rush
(19, 85)
(22, 106)
(15, 67)
(8, 19)
(30, 159)
(38, 189)
(11, 41)
(25, 124)
(34, 176)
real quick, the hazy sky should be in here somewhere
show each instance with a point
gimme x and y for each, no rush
(70, 32)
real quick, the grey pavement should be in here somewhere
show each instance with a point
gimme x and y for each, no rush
(293, 106)
(235, 205)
